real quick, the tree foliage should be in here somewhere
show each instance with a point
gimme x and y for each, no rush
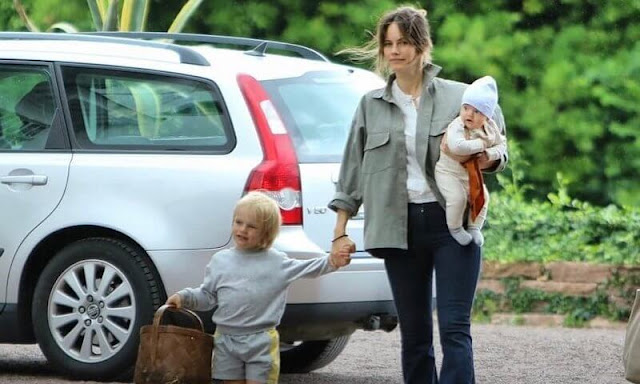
(568, 71)
(568, 76)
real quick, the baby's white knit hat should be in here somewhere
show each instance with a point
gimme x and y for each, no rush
(482, 94)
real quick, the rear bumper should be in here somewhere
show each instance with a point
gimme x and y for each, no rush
(354, 312)
(361, 281)
(303, 322)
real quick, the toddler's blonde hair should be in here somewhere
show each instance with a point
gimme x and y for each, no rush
(267, 215)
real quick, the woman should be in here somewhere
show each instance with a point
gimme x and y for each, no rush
(388, 167)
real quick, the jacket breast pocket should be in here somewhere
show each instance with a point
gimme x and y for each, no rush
(436, 134)
(378, 155)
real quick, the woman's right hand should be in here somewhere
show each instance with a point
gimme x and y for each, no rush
(342, 244)
(174, 301)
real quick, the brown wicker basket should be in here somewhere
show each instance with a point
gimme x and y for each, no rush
(170, 354)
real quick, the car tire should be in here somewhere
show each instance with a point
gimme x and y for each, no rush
(311, 355)
(89, 304)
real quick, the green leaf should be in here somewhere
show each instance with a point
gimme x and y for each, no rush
(96, 15)
(184, 15)
(23, 15)
(111, 21)
(103, 6)
(62, 27)
(134, 15)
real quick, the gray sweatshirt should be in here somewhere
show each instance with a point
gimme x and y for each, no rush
(249, 288)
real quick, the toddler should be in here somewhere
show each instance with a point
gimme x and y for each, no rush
(248, 283)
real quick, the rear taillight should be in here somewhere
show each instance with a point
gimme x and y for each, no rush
(278, 174)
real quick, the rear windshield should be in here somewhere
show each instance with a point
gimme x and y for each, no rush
(318, 108)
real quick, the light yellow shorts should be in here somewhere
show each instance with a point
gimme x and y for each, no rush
(254, 357)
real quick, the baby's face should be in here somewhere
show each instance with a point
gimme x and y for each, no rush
(471, 117)
(247, 233)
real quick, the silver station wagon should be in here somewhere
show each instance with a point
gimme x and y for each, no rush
(121, 158)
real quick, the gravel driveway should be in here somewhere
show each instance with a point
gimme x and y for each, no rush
(503, 354)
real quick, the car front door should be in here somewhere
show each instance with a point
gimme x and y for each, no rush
(34, 156)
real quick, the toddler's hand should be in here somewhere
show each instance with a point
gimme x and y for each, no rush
(174, 300)
(343, 256)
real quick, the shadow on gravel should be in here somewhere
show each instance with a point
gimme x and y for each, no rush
(25, 368)
(324, 378)
(334, 378)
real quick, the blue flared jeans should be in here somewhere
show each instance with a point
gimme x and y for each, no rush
(410, 274)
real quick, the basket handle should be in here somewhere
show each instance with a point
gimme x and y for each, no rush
(160, 312)
(156, 325)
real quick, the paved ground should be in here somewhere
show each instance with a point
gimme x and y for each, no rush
(503, 354)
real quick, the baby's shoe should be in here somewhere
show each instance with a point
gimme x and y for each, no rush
(460, 235)
(477, 236)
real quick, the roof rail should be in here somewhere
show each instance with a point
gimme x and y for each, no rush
(186, 54)
(256, 45)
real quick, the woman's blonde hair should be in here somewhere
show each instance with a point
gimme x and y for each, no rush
(413, 25)
(267, 215)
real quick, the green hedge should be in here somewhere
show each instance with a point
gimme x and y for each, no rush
(559, 229)
(576, 310)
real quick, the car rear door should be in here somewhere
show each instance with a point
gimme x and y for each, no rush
(152, 157)
(34, 155)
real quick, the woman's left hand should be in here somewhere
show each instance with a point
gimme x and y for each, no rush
(444, 147)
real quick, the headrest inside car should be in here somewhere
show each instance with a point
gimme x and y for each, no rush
(37, 106)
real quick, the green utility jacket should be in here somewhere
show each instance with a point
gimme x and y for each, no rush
(374, 166)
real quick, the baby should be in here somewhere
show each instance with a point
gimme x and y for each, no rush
(470, 136)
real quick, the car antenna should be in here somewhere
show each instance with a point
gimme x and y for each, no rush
(258, 50)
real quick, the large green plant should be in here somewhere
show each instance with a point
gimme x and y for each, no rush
(110, 15)
(559, 228)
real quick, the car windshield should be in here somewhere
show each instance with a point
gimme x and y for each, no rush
(317, 109)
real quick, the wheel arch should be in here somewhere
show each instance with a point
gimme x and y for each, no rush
(47, 248)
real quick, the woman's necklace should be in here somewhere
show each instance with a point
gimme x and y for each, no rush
(415, 99)
(414, 93)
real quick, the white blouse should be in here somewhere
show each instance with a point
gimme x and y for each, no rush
(417, 187)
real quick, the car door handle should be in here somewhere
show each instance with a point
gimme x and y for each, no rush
(24, 179)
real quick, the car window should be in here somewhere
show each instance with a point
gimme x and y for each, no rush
(118, 109)
(318, 108)
(27, 108)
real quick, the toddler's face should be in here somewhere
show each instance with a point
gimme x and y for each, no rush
(471, 117)
(247, 233)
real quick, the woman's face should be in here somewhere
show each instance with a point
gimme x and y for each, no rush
(398, 52)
